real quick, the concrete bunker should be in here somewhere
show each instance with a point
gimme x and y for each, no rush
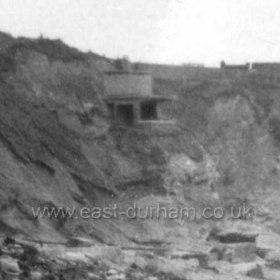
(131, 101)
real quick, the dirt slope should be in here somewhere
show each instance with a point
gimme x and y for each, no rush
(58, 150)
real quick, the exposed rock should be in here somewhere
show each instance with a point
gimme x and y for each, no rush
(273, 259)
(80, 242)
(235, 253)
(232, 237)
(137, 275)
(268, 241)
(9, 265)
(112, 271)
(14, 250)
(36, 275)
(271, 273)
(192, 257)
(256, 272)
(93, 276)
(114, 274)
(245, 269)
(140, 261)
(245, 252)
(56, 149)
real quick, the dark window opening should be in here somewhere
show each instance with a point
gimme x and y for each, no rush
(148, 111)
(125, 114)
(111, 107)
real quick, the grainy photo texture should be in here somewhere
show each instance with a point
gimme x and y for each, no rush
(139, 139)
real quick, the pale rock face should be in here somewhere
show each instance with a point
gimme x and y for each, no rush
(273, 259)
(191, 179)
(182, 166)
(36, 275)
(232, 110)
(9, 265)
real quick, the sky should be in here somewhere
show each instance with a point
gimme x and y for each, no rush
(160, 31)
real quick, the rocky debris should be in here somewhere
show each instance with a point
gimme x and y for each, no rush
(237, 261)
(13, 250)
(268, 241)
(36, 275)
(252, 269)
(263, 215)
(235, 253)
(192, 258)
(9, 266)
(93, 276)
(43, 123)
(113, 274)
(79, 242)
(137, 275)
(183, 168)
(273, 259)
(262, 252)
(270, 273)
(231, 237)
(256, 272)
(224, 261)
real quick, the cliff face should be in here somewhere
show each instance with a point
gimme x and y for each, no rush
(235, 121)
(57, 148)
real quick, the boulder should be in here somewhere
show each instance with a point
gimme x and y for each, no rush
(256, 272)
(241, 252)
(270, 273)
(137, 275)
(93, 276)
(198, 257)
(14, 250)
(232, 237)
(9, 265)
(253, 269)
(272, 259)
(114, 274)
(36, 275)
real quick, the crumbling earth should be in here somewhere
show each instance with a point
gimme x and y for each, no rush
(58, 148)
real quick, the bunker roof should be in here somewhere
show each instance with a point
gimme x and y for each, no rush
(137, 98)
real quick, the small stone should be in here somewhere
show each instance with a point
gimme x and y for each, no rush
(273, 259)
(137, 275)
(248, 269)
(112, 271)
(192, 263)
(140, 262)
(93, 276)
(118, 276)
(256, 272)
(9, 265)
(152, 278)
(235, 253)
(36, 275)
(231, 237)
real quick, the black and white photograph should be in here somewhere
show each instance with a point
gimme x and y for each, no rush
(139, 139)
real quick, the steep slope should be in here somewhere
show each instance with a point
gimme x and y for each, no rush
(51, 113)
(236, 121)
(58, 148)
